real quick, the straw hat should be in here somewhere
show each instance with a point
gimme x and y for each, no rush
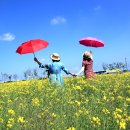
(87, 54)
(55, 56)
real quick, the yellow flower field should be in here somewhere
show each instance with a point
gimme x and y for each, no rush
(101, 104)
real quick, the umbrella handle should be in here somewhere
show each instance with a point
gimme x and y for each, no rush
(33, 54)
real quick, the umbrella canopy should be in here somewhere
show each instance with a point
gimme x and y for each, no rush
(92, 42)
(32, 46)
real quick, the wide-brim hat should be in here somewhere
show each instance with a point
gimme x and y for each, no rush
(55, 56)
(87, 54)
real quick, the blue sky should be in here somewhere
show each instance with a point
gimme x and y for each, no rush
(63, 23)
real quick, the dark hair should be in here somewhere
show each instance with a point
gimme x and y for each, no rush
(86, 58)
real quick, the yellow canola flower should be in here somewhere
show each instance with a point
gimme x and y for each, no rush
(127, 118)
(11, 112)
(122, 125)
(128, 99)
(1, 120)
(104, 97)
(128, 87)
(86, 100)
(35, 102)
(119, 97)
(21, 119)
(78, 88)
(71, 128)
(9, 125)
(53, 115)
(95, 121)
(70, 102)
(77, 114)
(78, 103)
(105, 111)
(10, 101)
(93, 88)
(10, 122)
(80, 111)
(117, 116)
(112, 98)
(118, 110)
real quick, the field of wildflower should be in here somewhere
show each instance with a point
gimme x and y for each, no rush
(101, 104)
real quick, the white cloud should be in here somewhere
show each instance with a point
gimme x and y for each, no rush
(98, 7)
(7, 37)
(58, 20)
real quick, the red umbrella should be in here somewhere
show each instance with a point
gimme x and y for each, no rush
(92, 42)
(32, 46)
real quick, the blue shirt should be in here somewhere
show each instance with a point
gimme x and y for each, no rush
(55, 68)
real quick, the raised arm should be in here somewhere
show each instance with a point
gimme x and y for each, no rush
(36, 60)
(91, 55)
(67, 71)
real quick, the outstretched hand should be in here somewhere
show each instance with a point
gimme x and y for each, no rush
(74, 75)
(35, 59)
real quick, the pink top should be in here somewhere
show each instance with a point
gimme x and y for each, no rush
(88, 68)
(88, 65)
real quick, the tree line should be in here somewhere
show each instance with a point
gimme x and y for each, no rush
(116, 65)
(27, 74)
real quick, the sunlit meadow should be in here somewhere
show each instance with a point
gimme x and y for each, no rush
(101, 104)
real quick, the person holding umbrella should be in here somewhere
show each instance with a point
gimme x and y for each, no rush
(87, 65)
(54, 69)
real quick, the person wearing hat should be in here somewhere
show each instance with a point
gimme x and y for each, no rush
(54, 69)
(87, 65)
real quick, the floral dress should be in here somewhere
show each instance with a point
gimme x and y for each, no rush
(55, 69)
(88, 69)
